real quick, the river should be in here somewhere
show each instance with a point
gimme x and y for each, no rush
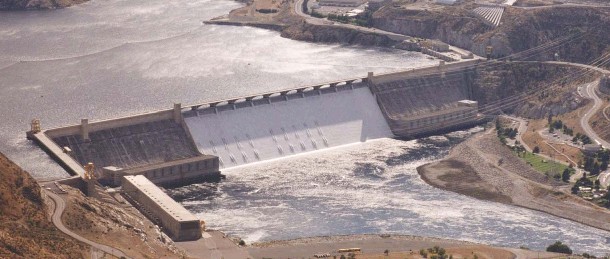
(367, 189)
(104, 59)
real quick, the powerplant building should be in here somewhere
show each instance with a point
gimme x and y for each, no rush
(178, 222)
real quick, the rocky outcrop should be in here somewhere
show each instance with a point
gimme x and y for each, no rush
(501, 80)
(334, 34)
(36, 4)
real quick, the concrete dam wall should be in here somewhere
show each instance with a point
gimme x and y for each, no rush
(425, 102)
(131, 146)
(285, 125)
(181, 144)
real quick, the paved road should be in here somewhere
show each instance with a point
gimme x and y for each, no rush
(584, 121)
(589, 92)
(214, 245)
(561, 5)
(60, 206)
(318, 21)
(520, 131)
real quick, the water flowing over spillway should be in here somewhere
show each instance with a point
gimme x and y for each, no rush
(288, 127)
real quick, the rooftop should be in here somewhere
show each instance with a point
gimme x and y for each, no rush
(170, 206)
(146, 168)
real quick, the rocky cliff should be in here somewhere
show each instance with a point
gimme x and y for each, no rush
(25, 231)
(451, 24)
(331, 34)
(36, 4)
(520, 29)
(502, 80)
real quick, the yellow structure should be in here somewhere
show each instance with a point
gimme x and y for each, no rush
(90, 180)
(35, 126)
(89, 171)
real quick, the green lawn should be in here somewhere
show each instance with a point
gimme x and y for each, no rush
(542, 164)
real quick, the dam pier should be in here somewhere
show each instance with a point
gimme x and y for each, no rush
(193, 143)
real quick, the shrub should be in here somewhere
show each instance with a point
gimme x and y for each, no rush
(423, 253)
(559, 247)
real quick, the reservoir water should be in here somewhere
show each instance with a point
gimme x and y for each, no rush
(104, 59)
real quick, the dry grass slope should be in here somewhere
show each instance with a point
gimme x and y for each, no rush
(25, 231)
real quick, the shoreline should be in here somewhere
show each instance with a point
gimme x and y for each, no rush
(353, 237)
(479, 176)
(374, 244)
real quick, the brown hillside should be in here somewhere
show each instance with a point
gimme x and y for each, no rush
(37, 4)
(25, 230)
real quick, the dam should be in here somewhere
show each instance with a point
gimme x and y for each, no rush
(193, 143)
(288, 124)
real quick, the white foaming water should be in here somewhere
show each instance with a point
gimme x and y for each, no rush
(369, 188)
(284, 128)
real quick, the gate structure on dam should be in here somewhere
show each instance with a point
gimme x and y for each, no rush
(185, 144)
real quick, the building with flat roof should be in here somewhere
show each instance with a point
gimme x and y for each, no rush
(169, 173)
(342, 3)
(174, 219)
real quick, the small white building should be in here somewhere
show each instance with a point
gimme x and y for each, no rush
(591, 148)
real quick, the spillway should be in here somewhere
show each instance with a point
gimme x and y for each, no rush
(287, 125)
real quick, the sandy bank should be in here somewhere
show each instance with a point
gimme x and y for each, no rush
(373, 246)
(484, 168)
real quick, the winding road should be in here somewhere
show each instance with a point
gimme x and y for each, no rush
(321, 21)
(60, 206)
(589, 92)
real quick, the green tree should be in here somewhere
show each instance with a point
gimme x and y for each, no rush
(536, 150)
(597, 184)
(565, 176)
(559, 247)
(442, 253)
